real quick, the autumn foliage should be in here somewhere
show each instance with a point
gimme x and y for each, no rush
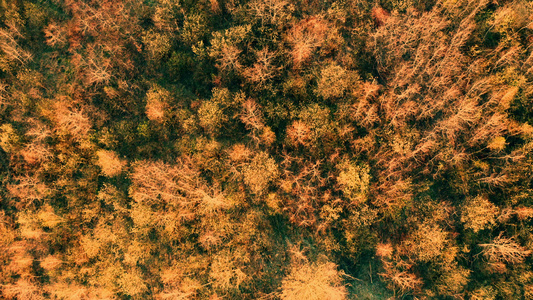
(266, 149)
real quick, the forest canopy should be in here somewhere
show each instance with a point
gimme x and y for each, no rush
(266, 149)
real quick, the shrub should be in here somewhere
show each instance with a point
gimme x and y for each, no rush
(512, 16)
(323, 129)
(453, 282)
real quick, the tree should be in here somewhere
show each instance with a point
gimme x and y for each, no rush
(478, 213)
(110, 163)
(314, 281)
(157, 45)
(354, 181)
(299, 133)
(157, 104)
(334, 81)
(211, 117)
(427, 242)
(260, 172)
(503, 249)
(309, 34)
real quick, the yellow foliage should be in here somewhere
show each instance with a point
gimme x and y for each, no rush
(28, 190)
(497, 144)
(224, 47)
(7, 233)
(211, 116)
(334, 81)
(384, 250)
(193, 28)
(110, 163)
(186, 289)
(111, 196)
(239, 153)
(526, 130)
(226, 270)
(136, 252)
(47, 217)
(21, 260)
(142, 217)
(276, 12)
(23, 289)
(505, 250)
(91, 246)
(354, 181)
(29, 226)
(512, 16)
(75, 291)
(157, 103)
(299, 133)
(51, 263)
(260, 172)
(317, 118)
(157, 44)
(483, 293)
(131, 282)
(8, 138)
(528, 291)
(313, 281)
(164, 18)
(453, 282)
(427, 242)
(478, 213)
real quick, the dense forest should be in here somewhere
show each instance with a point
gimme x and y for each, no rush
(266, 149)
